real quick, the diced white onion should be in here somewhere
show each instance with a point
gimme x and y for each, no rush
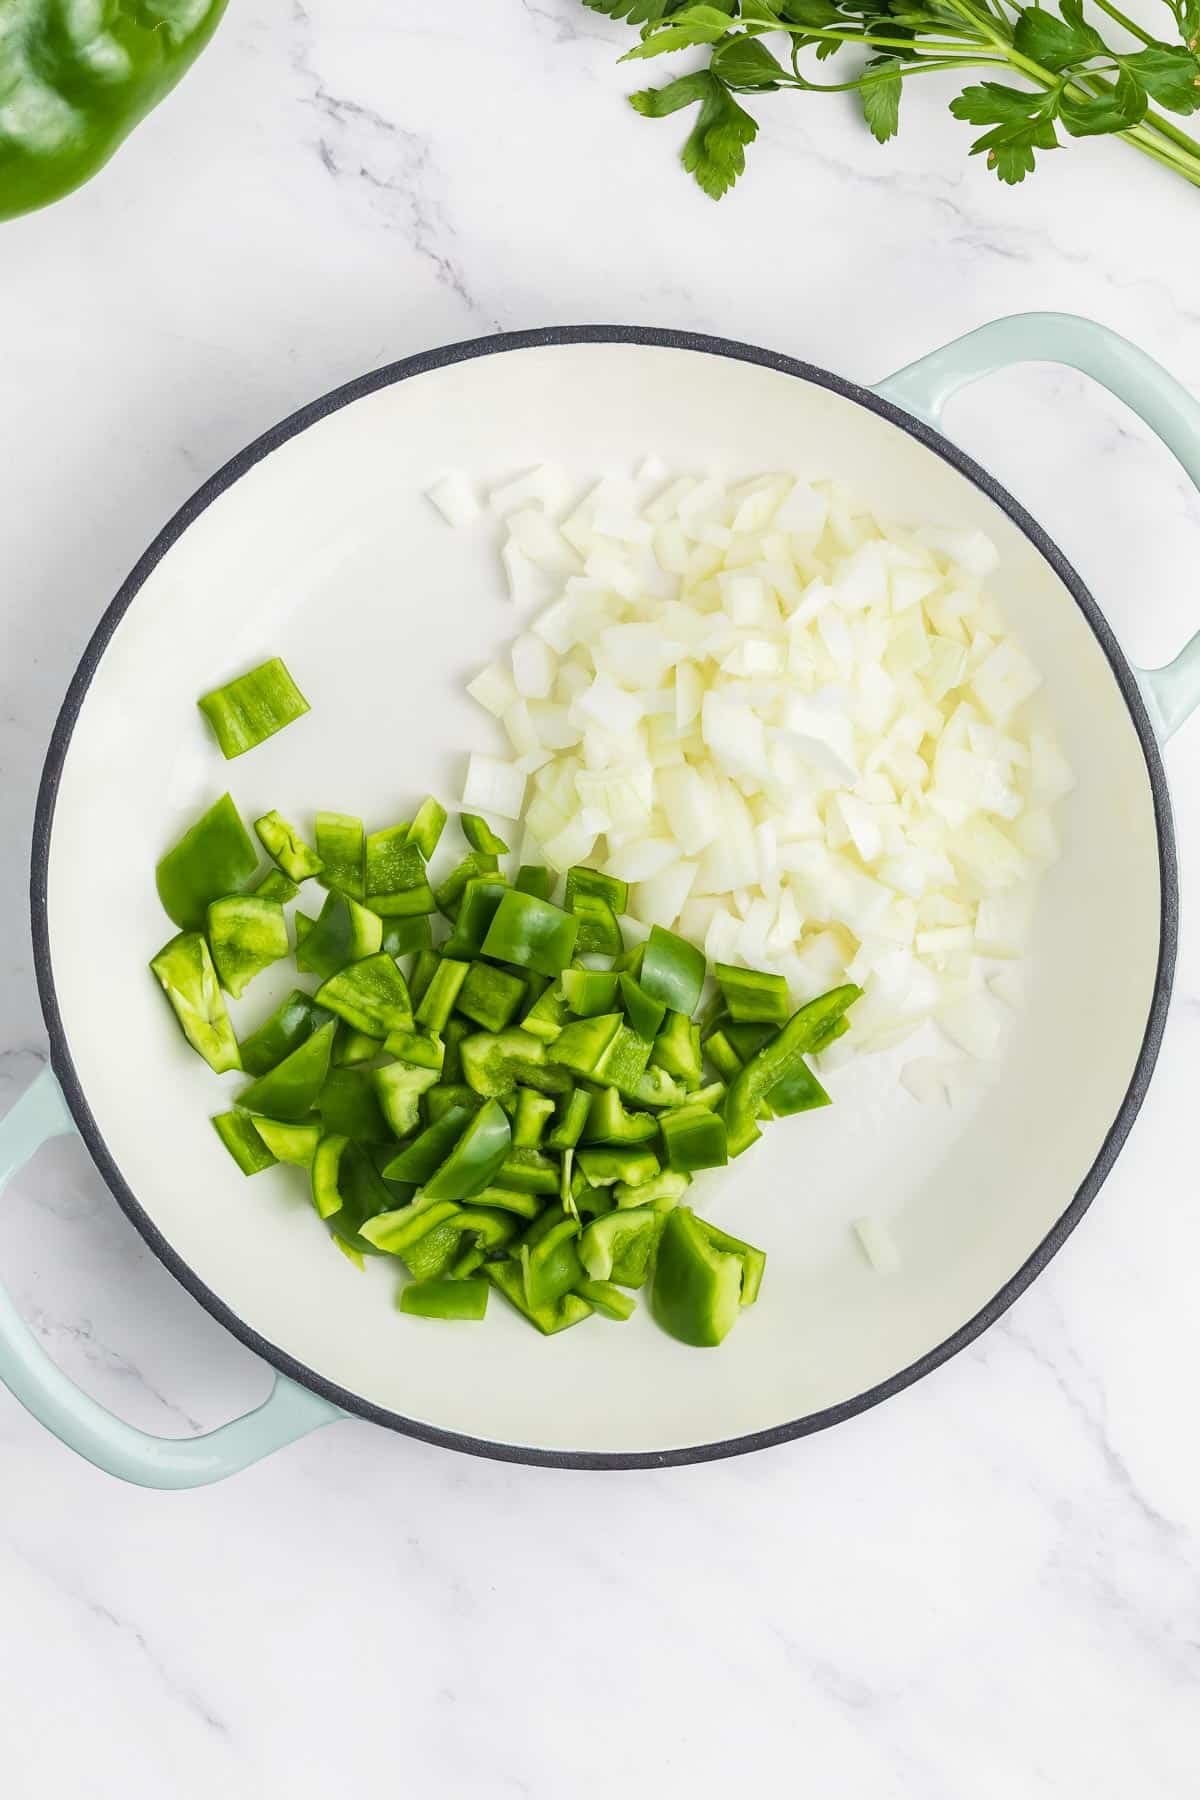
(455, 498)
(493, 786)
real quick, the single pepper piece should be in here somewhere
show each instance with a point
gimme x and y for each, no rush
(420, 1049)
(344, 933)
(349, 1107)
(609, 1123)
(570, 1118)
(290, 1025)
(249, 1151)
(480, 898)
(461, 1242)
(752, 996)
(694, 1138)
(399, 1087)
(427, 827)
(673, 970)
(588, 992)
(352, 1048)
(606, 1298)
(614, 892)
(533, 1115)
(535, 878)
(490, 996)
(76, 81)
(599, 931)
(325, 1174)
(526, 1171)
(253, 708)
(185, 972)
(215, 856)
(284, 845)
(548, 1014)
(531, 933)
(779, 1059)
(662, 1191)
(446, 1299)
(677, 1050)
(275, 885)
(449, 894)
(246, 934)
(289, 1091)
(644, 1012)
(405, 937)
(476, 1158)
(702, 1279)
(371, 995)
(480, 835)
(439, 999)
(422, 973)
(295, 1144)
(570, 1310)
(397, 1231)
(417, 1160)
(446, 1096)
(495, 1063)
(619, 1246)
(341, 847)
(605, 1166)
(394, 874)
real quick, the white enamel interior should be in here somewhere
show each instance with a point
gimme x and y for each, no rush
(327, 553)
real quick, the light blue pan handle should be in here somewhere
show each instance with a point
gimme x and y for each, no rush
(923, 388)
(81, 1422)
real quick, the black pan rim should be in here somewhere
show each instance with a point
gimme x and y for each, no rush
(541, 338)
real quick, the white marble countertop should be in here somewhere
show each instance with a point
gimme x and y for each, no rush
(990, 1586)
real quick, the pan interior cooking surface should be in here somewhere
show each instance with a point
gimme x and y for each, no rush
(325, 551)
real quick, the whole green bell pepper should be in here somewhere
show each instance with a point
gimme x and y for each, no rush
(76, 79)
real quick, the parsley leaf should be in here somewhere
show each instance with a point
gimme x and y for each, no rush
(1056, 43)
(716, 151)
(638, 12)
(1169, 75)
(1124, 106)
(1022, 122)
(745, 62)
(880, 91)
(694, 25)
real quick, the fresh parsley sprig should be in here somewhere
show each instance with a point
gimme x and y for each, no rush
(1073, 80)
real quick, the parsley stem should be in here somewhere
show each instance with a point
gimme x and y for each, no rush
(1115, 13)
(923, 67)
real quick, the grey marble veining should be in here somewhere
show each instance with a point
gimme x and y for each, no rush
(989, 1587)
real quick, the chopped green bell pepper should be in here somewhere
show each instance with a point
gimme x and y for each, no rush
(570, 1310)
(677, 1050)
(344, 933)
(702, 1279)
(325, 1173)
(341, 847)
(464, 1240)
(480, 898)
(502, 1199)
(294, 1144)
(372, 995)
(549, 1258)
(446, 1096)
(548, 1014)
(476, 1158)
(253, 708)
(396, 1232)
(394, 874)
(778, 1060)
(215, 856)
(76, 81)
(249, 1151)
(662, 1191)
(694, 1138)
(533, 1115)
(645, 1014)
(752, 996)
(446, 1299)
(283, 843)
(449, 894)
(275, 885)
(603, 1167)
(673, 970)
(480, 835)
(722, 1055)
(619, 1246)
(422, 1049)
(184, 970)
(582, 1046)
(654, 1087)
(351, 1047)
(438, 1000)
(609, 1123)
(399, 1087)
(527, 1171)
(623, 1064)
(606, 1298)
(494, 1063)
(423, 972)
(349, 1106)
(535, 878)
(532, 933)
(304, 925)
(246, 935)
(609, 888)
(417, 1160)
(588, 992)
(289, 1091)
(599, 932)
(403, 937)
(571, 1116)
(490, 996)
(290, 1025)
(427, 827)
